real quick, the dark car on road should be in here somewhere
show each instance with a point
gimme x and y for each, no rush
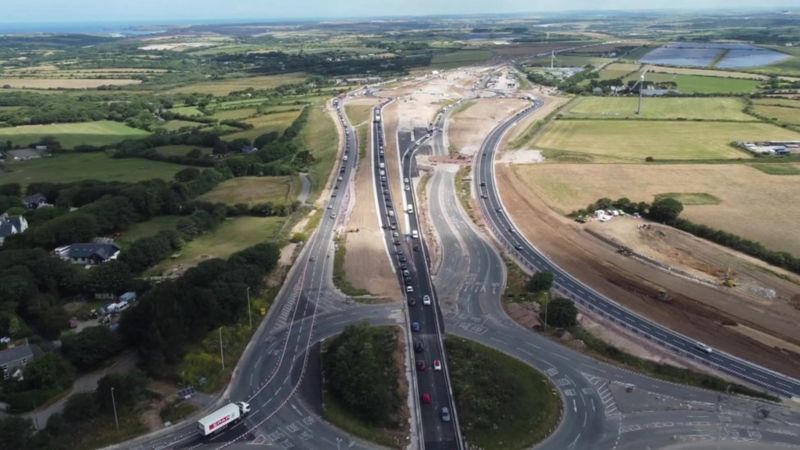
(415, 327)
(421, 366)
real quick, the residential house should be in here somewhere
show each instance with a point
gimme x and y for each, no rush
(88, 253)
(13, 360)
(35, 201)
(11, 225)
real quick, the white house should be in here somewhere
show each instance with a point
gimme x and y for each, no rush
(11, 225)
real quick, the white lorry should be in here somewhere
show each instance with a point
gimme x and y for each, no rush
(222, 418)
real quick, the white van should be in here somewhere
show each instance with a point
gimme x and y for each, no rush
(414, 234)
(411, 209)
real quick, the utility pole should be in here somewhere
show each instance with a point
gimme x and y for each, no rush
(114, 405)
(552, 58)
(546, 302)
(249, 310)
(221, 353)
(641, 86)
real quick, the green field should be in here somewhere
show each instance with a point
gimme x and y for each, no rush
(785, 102)
(460, 58)
(691, 198)
(225, 87)
(147, 228)
(502, 402)
(71, 134)
(253, 190)
(779, 113)
(68, 168)
(187, 111)
(233, 235)
(702, 84)
(321, 137)
(175, 125)
(617, 70)
(235, 114)
(265, 124)
(633, 141)
(777, 169)
(712, 108)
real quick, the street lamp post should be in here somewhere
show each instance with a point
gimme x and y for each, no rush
(249, 310)
(114, 405)
(221, 353)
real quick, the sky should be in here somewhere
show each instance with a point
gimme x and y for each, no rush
(173, 11)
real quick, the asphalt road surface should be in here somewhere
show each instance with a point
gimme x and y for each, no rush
(524, 251)
(598, 410)
(411, 265)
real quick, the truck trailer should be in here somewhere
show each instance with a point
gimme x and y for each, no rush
(222, 418)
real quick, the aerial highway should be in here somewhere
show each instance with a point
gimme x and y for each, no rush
(409, 256)
(598, 410)
(306, 310)
(503, 227)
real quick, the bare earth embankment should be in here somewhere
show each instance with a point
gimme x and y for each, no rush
(695, 309)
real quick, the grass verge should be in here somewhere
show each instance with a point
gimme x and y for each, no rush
(777, 169)
(602, 350)
(339, 275)
(502, 402)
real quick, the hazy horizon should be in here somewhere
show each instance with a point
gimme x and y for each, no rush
(210, 11)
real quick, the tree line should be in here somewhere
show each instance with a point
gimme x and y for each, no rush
(177, 313)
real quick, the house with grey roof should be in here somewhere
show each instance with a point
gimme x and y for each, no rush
(13, 360)
(88, 253)
(11, 225)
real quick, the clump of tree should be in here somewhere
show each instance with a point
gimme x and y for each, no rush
(560, 313)
(91, 347)
(42, 380)
(177, 313)
(605, 203)
(360, 373)
(540, 282)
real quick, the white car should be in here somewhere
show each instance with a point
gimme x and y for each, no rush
(426, 300)
(409, 289)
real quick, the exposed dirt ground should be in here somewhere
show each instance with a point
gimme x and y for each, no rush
(696, 310)
(367, 265)
(469, 125)
(756, 294)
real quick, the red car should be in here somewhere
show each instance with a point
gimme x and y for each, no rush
(426, 398)
(437, 365)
